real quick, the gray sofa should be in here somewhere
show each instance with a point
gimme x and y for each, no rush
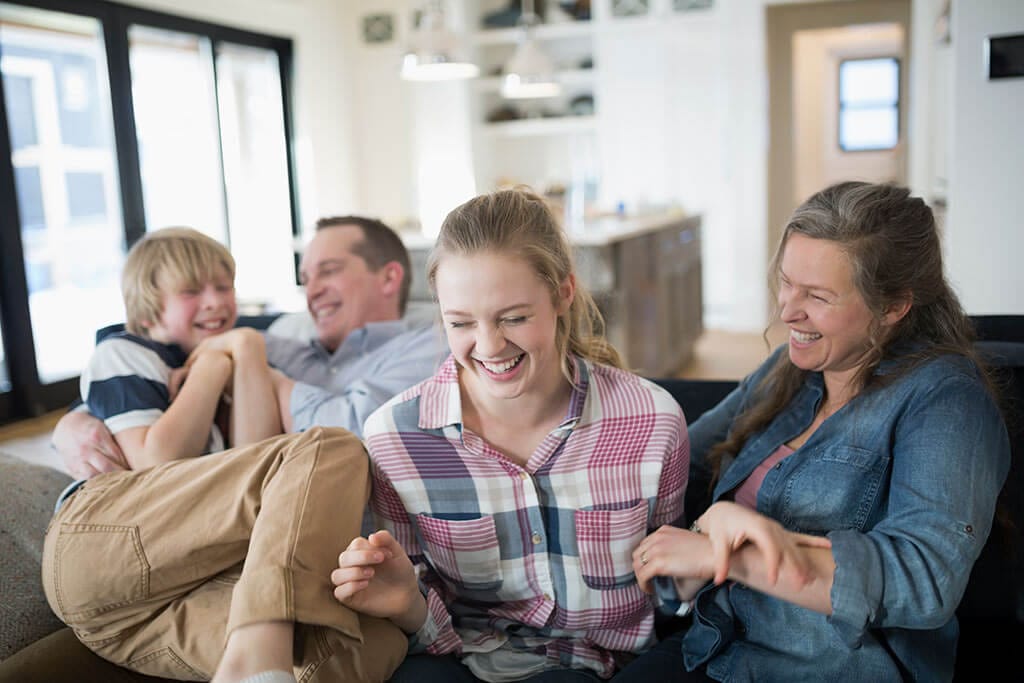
(992, 610)
(27, 493)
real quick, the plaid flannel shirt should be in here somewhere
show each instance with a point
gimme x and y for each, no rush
(530, 568)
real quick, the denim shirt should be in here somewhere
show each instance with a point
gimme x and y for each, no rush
(903, 480)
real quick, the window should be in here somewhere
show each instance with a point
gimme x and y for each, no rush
(869, 111)
(117, 120)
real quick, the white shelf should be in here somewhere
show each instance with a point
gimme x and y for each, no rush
(569, 77)
(502, 36)
(556, 125)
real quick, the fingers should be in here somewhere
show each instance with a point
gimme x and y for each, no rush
(355, 568)
(809, 541)
(720, 552)
(100, 462)
(361, 553)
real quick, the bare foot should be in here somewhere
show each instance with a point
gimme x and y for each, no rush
(252, 649)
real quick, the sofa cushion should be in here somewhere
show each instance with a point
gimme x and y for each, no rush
(28, 493)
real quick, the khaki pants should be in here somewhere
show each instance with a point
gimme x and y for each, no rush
(153, 569)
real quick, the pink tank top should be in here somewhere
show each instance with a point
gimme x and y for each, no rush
(746, 493)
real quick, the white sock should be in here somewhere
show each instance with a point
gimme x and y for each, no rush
(270, 677)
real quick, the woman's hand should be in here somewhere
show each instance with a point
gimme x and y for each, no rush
(729, 526)
(376, 577)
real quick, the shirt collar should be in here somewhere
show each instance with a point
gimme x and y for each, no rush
(367, 337)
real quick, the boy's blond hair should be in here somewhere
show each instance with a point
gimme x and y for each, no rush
(181, 256)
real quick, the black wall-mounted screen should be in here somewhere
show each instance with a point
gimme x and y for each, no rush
(1006, 56)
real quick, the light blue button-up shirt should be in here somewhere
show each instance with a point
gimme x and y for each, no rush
(903, 480)
(373, 364)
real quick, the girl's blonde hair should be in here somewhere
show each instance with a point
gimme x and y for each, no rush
(182, 256)
(520, 223)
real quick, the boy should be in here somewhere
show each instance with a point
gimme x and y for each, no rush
(179, 296)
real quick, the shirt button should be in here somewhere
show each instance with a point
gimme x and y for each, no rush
(535, 538)
(778, 465)
(523, 475)
(334, 371)
(969, 529)
(547, 596)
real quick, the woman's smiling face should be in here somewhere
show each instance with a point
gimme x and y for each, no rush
(828, 319)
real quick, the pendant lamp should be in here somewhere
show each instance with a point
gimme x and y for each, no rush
(530, 73)
(433, 50)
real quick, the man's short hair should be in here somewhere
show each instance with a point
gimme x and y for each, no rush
(380, 246)
(182, 256)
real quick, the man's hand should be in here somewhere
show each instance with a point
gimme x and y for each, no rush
(86, 446)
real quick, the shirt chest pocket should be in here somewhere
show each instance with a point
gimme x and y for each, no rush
(836, 489)
(464, 552)
(605, 540)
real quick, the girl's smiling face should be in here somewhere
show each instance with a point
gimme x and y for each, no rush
(500, 321)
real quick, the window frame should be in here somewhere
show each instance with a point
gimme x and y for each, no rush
(28, 397)
(840, 105)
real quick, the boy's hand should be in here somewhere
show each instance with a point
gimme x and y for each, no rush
(233, 343)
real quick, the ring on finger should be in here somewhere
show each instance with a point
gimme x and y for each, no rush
(643, 558)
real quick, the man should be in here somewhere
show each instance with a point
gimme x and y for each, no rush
(356, 273)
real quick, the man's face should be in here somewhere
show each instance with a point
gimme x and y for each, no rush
(342, 292)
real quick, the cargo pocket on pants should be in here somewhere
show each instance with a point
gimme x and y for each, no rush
(98, 568)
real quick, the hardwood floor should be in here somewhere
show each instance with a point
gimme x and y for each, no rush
(728, 355)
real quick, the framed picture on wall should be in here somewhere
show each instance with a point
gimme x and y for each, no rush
(1004, 56)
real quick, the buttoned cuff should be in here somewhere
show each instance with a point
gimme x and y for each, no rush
(856, 585)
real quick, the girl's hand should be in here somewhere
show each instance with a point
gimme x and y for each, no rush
(671, 551)
(376, 577)
(729, 526)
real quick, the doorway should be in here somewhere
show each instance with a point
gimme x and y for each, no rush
(824, 124)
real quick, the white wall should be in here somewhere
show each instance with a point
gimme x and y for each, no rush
(358, 148)
(984, 239)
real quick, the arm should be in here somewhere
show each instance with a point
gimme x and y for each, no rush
(183, 429)
(86, 445)
(950, 456)
(283, 388)
(802, 576)
(254, 405)
(427, 618)
(397, 366)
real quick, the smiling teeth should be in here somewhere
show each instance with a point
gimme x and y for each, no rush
(804, 337)
(499, 368)
(324, 312)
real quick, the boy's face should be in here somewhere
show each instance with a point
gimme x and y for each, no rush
(191, 314)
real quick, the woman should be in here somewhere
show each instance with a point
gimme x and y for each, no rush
(519, 478)
(874, 425)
